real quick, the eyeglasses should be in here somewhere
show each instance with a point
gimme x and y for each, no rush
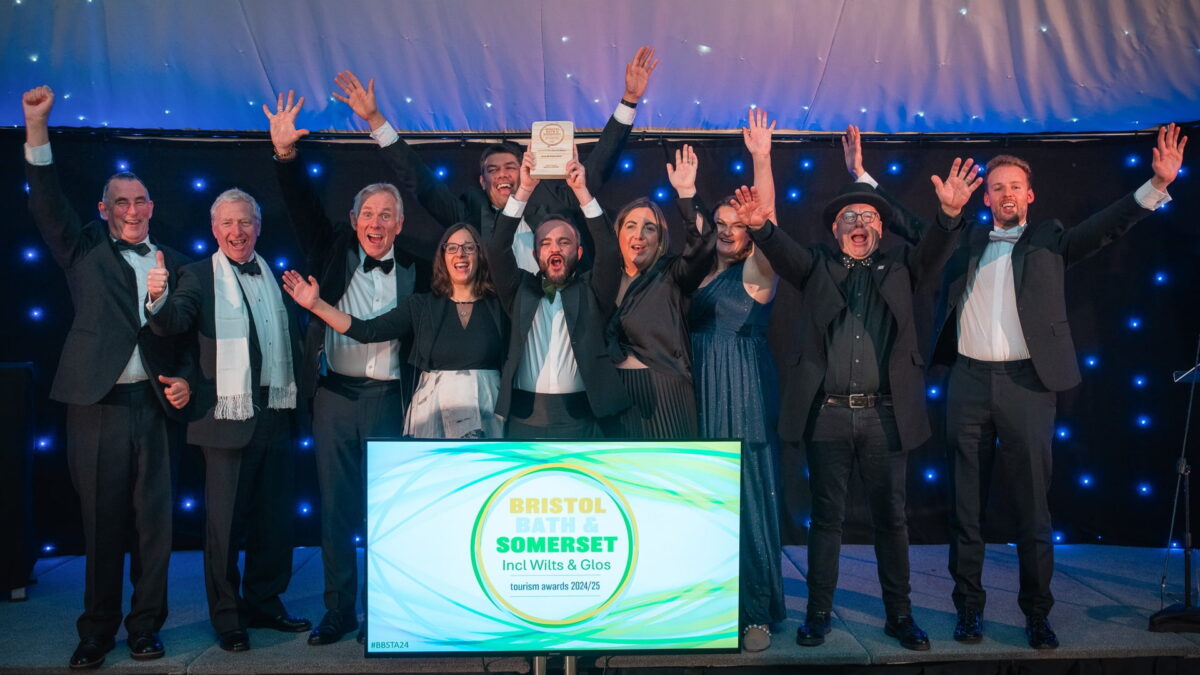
(453, 249)
(867, 217)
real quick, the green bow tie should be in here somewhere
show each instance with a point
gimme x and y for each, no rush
(550, 288)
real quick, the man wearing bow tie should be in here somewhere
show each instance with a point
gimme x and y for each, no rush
(360, 393)
(249, 349)
(856, 393)
(1003, 328)
(119, 383)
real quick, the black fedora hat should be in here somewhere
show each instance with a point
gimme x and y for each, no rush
(857, 193)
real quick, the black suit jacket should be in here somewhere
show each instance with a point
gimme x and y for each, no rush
(1039, 259)
(190, 308)
(897, 274)
(587, 304)
(104, 291)
(474, 207)
(332, 252)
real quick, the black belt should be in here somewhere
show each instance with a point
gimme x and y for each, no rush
(858, 400)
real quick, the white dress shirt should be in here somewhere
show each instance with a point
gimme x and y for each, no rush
(368, 295)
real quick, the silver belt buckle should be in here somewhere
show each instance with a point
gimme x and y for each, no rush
(861, 397)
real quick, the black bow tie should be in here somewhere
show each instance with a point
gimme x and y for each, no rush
(250, 267)
(141, 248)
(850, 263)
(385, 265)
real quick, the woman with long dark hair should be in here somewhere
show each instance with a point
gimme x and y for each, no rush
(647, 335)
(458, 333)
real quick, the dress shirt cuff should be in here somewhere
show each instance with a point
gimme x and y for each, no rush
(385, 135)
(592, 209)
(1149, 197)
(39, 155)
(624, 114)
(514, 208)
(152, 306)
(868, 179)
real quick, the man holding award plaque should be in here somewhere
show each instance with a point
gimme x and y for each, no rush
(500, 164)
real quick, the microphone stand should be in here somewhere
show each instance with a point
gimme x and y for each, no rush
(1181, 617)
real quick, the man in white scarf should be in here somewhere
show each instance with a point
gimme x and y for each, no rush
(248, 344)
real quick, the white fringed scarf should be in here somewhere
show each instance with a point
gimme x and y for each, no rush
(235, 401)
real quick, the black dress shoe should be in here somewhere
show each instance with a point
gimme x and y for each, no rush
(969, 628)
(1039, 632)
(236, 640)
(907, 632)
(145, 646)
(814, 629)
(282, 623)
(90, 652)
(333, 626)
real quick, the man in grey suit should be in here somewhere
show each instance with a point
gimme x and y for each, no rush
(120, 384)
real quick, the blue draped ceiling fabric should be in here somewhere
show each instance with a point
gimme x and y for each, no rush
(891, 66)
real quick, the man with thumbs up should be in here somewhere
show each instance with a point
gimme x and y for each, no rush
(120, 383)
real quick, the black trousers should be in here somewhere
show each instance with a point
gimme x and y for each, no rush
(118, 453)
(248, 495)
(346, 412)
(1004, 401)
(534, 416)
(839, 439)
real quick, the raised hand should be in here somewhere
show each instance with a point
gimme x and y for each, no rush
(852, 151)
(1168, 156)
(36, 104)
(284, 133)
(750, 209)
(683, 173)
(527, 182)
(577, 178)
(156, 278)
(176, 390)
(637, 74)
(305, 293)
(960, 184)
(757, 136)
(360, 99)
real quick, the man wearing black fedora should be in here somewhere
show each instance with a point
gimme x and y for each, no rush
(856, 393)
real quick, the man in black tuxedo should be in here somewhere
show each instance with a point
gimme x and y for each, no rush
(499, 166)
(857, 392)
(558, 380)
(361, 394)
(245, 399)
(118, 433)
(1003, 328)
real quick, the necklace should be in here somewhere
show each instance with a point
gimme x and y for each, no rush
(464, 311)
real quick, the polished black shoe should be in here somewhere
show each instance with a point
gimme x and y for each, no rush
(236, 640)
(1039, 632)
(145, 646)
(907, 632)
(814, 629)
(90, 652)
(282, 623)
(333, 626)
(969, 628)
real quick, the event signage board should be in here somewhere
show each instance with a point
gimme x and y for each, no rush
(552, 546)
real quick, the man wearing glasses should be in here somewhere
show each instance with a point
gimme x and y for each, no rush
(857, 392)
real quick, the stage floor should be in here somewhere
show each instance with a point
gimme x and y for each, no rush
(1105, 595)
